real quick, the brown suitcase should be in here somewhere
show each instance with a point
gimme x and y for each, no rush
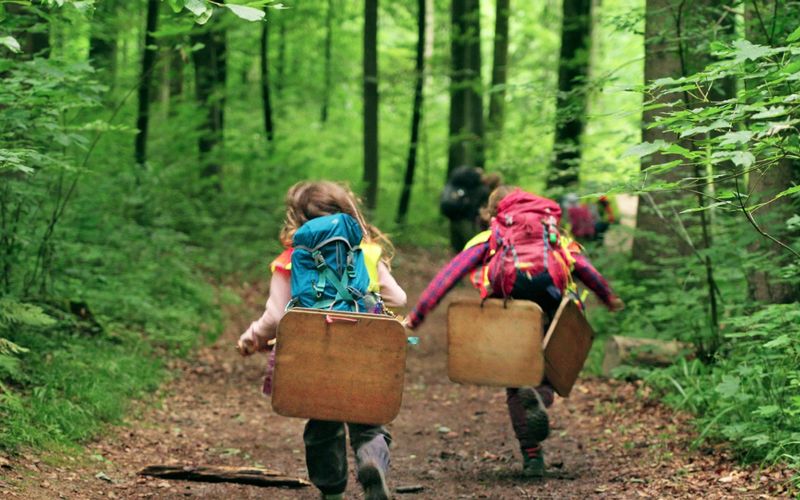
(566, 347)
(339, 366)
(496, 345)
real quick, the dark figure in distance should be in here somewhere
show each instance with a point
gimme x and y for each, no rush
(465, 192)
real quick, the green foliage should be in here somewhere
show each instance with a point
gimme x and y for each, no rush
(741, 136)
(749, 396)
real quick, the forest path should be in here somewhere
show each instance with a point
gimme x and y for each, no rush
(455, 441)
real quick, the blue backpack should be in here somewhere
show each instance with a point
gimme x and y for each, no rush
(328, 270)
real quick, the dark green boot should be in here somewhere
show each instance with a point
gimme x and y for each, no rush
(533, 462)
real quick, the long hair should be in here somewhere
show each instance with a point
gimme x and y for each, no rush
(308, 200)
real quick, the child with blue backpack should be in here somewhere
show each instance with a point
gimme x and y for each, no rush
(523, 255)
(333, 260)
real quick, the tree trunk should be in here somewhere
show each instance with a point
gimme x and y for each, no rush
(210, 75)
(767, 23)
(31, 30)
(103, 39)
(416, 115)
(573, 68)
(662, 60)
(326, 91)
(370, 177)
(281, 66)
(148, 64)
(637, 351)
(466, 107)
(265, 97)
(499, 67)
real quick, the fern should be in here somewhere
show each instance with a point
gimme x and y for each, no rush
(14, 313)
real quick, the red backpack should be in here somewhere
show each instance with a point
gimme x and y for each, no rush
(582, 221)
(524, 237)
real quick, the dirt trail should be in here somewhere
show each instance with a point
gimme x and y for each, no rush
(455, 441)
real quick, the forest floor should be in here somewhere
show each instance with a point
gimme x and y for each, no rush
(454, 441)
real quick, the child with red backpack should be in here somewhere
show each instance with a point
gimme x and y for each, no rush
(333, 260)
(522, 256)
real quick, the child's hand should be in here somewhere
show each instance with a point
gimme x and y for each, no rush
(616, 304)
(247, 344)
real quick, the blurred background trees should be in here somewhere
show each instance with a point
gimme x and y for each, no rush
(145, 148)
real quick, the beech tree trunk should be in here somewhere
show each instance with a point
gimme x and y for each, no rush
(573, 68)
(466, 106)
(146, 81)
(499, 67)
(370, 177)
(416, 115)
(768, 22)
(662, 60)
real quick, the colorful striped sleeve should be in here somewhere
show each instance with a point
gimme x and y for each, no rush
(592, 278)
(445, 280)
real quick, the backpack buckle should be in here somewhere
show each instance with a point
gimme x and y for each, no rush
(319, 260)
(318, 289)
(509, 219)
(351, 268)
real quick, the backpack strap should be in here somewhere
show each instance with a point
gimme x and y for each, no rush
(326, 275)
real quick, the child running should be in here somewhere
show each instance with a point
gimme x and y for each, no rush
(326, 454)
(521, 256)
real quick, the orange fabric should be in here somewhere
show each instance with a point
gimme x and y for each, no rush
(283, 262)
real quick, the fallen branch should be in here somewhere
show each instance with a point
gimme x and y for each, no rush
(222, 474)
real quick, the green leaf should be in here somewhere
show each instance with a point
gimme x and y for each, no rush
(11, 44)
(771, 112)
(176, 5)
(707, 207)
(203, 19)
(745, 50)
(794, 36)
(743, 158)
(767, 411)
(787, 192)
(780, 341)
(246, 13)
(197, 7)
(729, 386)
(740, 137)
(644, 149)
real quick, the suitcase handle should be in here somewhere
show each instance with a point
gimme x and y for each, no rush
(330, 318)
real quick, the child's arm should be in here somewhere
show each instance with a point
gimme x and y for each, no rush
(264, 328)
(444, 281)
(586, 272)
(391, 293)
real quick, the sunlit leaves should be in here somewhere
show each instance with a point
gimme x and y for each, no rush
(10, 43)
(645, 149)
(202, 10)
(246, 13)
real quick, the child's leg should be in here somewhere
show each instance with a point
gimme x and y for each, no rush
(531, 426)
(326, 455)
(528, 417)
(371, 446)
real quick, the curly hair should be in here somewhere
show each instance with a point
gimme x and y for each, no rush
(308, 200)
